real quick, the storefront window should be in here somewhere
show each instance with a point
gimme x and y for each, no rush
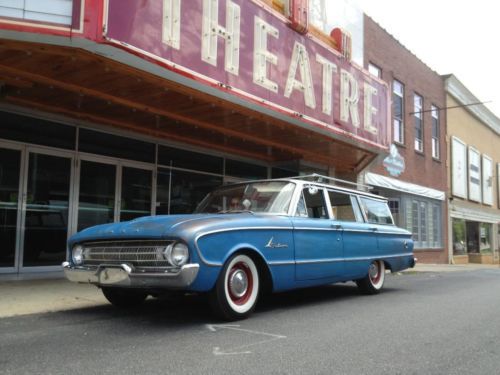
(244, 170)
(459, 243)
(115, 146)
(180, 192)
(485, 238)
(39, 132)
(10, 161)
(423, 219)
(472, 230)
(394, 207)
(283, 173)
(175, 157)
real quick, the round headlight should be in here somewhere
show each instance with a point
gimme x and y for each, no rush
(177, 255)
(77, 254)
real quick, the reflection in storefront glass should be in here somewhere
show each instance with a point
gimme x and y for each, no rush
(485, 238)
(472, 230)
(136, 193)
(47, 204)
(96, 203)
(9, 191)
(459, 242)
(179, 192)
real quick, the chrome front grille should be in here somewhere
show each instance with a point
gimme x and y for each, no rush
(141, 254)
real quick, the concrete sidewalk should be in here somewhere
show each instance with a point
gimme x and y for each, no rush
(40, 296)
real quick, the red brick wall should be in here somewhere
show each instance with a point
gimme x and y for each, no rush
(397, 62)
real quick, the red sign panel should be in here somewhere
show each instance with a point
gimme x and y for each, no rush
(250, 51)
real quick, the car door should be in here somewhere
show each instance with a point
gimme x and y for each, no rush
(359, 238)
(318, 241)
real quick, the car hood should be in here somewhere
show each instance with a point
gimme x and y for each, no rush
(164, 226)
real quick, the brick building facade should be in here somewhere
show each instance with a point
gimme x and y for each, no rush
(417, 193)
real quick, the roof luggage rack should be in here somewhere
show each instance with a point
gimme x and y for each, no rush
(328, 180)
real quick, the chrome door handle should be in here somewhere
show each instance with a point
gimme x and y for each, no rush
(374, 229)
(336, 226)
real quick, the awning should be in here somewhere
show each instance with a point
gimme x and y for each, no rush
(406, 187)
(474, 214)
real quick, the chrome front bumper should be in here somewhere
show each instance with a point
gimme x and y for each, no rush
(124, 275)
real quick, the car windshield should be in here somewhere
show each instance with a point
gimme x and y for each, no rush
(267, 197)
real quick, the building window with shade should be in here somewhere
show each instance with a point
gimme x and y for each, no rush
(435, 132)
(418, 103)
(398, 111)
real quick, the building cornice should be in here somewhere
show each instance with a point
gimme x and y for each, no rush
(462, 94)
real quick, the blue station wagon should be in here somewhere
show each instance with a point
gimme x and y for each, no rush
(243, 240)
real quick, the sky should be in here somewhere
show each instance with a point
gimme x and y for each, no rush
(458, 37)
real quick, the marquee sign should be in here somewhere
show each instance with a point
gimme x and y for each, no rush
(246, 49)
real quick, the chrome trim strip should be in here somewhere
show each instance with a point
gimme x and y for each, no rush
(318, 229)
(378, 257)
(358, 231)
(281, 263)
(357, 259)
(342, 229)
(331, 260)
(394, 234)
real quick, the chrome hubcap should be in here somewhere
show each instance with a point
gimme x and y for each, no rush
(238, 283)
(373, 271)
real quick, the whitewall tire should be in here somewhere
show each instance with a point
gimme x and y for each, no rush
(237, 289)
(373, 282)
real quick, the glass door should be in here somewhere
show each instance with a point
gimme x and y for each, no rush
(96, 202)
(10, 164)
(47, 198)
(136, 193)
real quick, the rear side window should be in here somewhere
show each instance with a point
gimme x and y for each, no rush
(377, 212)
(344, 207)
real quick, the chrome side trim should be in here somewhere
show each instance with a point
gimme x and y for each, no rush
(281, 263)
(378, 257)
(394, 234)
(318, 229)
(359, 231)
(356, 259)
(315, 261)
(342, 229)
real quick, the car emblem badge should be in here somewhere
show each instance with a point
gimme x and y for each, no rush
(273, 245)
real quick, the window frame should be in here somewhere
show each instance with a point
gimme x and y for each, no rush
(324, 197)
(429, 211)
(365, 213)
(357, 211)
(419, 122)
(436, 134)
(401, 122)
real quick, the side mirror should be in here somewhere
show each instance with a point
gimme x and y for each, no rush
(313, 190)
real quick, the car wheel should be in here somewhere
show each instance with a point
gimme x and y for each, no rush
(374, 281)
(235, 294)
(121, 297)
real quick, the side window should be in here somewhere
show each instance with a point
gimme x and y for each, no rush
(377, 212)
(343, 208)
(314, 202)
(301, 207)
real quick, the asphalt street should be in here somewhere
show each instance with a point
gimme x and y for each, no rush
(422, 323)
